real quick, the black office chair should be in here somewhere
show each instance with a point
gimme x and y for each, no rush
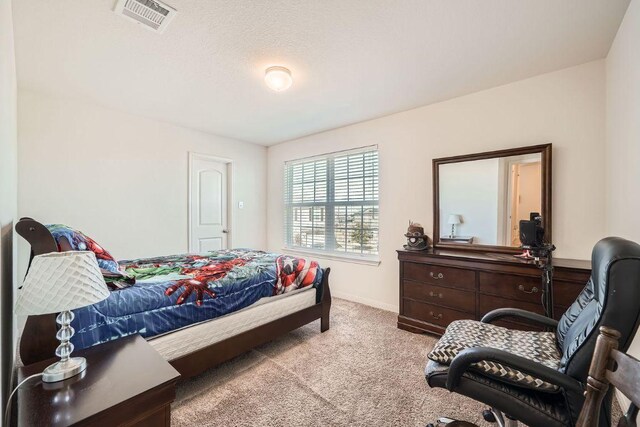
(526, 390)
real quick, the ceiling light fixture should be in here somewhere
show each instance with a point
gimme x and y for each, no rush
(278, 78)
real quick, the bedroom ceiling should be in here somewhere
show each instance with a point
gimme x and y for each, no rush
(351, 60)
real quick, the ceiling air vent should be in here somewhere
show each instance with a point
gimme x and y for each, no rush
(154, 15)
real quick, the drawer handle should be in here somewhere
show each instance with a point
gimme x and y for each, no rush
(533, 290)
(437, 317)
(435, 295)
(436, 276)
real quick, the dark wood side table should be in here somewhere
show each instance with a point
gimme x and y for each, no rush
(126, 383)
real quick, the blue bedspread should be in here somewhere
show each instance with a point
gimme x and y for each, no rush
(177, 291)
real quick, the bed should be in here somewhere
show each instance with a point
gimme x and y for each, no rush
(250, 298)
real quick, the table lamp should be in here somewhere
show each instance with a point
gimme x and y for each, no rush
(59, 282)
(454, 220)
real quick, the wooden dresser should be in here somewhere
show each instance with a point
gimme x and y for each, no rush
(439, 286)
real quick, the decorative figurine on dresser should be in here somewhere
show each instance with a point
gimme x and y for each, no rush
(416, 239)
(457, 280)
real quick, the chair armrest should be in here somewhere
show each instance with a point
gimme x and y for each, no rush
(523, 314)
(466, 358)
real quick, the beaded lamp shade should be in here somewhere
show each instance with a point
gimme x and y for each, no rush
(61, 281)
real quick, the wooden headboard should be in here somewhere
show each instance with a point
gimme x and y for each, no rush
(38, 340)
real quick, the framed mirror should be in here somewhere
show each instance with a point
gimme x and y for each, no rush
(479, 199)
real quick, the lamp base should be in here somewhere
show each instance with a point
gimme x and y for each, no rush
(64, 369)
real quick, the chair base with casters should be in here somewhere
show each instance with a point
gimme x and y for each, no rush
(542, 393)
(444, 421)
(491, 415)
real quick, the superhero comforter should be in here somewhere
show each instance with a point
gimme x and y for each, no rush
(173, 292)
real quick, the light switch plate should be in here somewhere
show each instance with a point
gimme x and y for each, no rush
(240, 205)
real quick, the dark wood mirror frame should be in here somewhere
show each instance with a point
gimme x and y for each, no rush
(545, 152)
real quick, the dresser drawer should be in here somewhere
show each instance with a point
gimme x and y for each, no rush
(432, 313)
(565, 293)
(440, 276)
(489, 303)
(558, 311)
(441, 296)
(521, 288)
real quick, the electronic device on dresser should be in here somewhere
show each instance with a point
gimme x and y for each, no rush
(536, 248)
(464, 280)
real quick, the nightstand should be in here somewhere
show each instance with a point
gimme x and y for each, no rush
(126, 383)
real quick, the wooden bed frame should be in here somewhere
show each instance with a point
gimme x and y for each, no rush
(38, 341)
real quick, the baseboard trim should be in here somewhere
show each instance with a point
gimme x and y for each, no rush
(366, 301)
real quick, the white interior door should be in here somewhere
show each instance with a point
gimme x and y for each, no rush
(525, 196)
(208, 204)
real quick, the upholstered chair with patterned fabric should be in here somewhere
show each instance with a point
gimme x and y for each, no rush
(539, 378)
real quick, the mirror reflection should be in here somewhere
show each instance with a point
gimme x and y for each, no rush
(483, 201)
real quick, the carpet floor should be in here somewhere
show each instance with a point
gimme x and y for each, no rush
(364, 371)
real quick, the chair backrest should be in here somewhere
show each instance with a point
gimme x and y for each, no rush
(610, 298)
(610, 366)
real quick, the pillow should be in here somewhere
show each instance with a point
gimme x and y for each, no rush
(81, 242)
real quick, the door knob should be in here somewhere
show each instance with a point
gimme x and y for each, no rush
(225, 231)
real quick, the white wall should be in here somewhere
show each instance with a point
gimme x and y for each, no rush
(565, 108)
(470, 190)
(8, 193)
(623, 134)
(623, 128)
(122, 179)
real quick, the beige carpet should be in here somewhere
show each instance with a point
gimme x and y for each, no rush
(362, 372)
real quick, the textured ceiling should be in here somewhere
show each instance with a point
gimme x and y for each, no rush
(351, 60)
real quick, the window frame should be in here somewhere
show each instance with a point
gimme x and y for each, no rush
(329, 206)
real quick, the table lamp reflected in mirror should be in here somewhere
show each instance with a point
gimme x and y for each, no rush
(59, 282)
(454, 220)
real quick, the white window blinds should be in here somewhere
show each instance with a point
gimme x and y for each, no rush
(331, 202)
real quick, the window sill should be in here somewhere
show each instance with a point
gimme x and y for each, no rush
(351, 258)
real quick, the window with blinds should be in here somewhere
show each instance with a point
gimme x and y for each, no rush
(331, 203)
